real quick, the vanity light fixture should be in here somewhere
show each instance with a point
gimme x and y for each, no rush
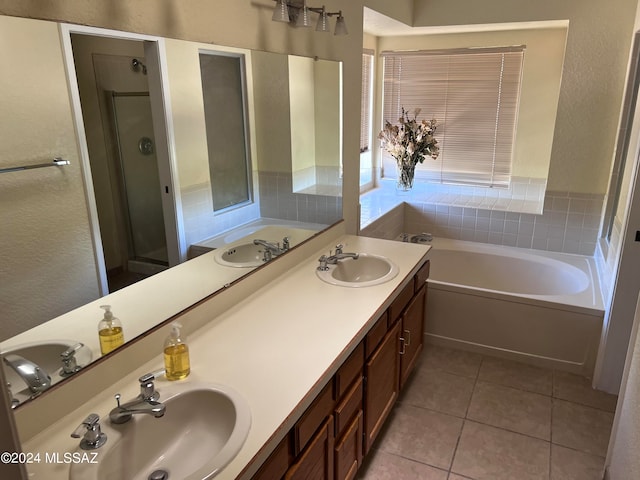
(297, 13)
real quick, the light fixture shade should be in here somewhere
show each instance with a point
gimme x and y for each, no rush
(303, 19)
(281, 12)
(341, 26)
(323, 22)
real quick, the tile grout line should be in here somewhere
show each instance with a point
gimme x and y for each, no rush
(464, 420)
(554, 399)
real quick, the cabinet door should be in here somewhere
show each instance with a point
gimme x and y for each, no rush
(348, 451)
(412, 334)
(316, 461)
(381, 390)
(276, 465)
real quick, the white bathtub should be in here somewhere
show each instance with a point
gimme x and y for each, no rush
(543, 308)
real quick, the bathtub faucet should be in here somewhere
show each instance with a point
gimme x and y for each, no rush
(422, 238)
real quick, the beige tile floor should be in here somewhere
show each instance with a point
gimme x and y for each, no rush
(465, 416)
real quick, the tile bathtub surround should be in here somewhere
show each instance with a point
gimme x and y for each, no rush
(277, 200)
(570, 222)
(468, 416)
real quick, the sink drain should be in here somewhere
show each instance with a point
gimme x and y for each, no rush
(159, 475)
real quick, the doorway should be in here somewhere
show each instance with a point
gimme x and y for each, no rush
(121, 118)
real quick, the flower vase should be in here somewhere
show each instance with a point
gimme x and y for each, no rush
(405, 179)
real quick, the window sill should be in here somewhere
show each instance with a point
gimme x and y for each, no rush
(524, 196)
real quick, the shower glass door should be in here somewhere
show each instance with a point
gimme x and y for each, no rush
(139, 177)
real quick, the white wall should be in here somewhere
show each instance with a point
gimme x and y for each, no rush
(44, 216)
(593, 77)
(622, 461)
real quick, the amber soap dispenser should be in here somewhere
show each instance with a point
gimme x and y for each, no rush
(176, 355)
(109, 331)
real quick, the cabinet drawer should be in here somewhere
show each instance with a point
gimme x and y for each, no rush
(422, 276)
(347, 408)
(349, 371)
(401, 301)
(319, 410)
(277, 464)
(376, 334)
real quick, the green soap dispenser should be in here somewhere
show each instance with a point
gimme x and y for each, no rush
(109, 331)
(176, 355)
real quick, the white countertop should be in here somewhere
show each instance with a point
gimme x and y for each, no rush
(277, 348)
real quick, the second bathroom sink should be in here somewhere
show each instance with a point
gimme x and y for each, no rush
(244, 255)
(365, 271)
(202, 430)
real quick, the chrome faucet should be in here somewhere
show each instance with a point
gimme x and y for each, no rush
(422, 238)
(35, 377)
(90, 432)
(146, 403)
(335, 258)
(274, 248)
(68, 358)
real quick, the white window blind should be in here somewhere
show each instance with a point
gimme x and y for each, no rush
(365, 105)
(474, 95)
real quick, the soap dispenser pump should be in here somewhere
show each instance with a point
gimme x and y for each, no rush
(176, 355)
(109, 331)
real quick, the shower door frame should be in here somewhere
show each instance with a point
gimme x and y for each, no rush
(155, 55)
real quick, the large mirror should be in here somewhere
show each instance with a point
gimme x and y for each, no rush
(141, 196)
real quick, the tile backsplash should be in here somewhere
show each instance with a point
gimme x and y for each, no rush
(569, 223)
(274, 198)
(277, 200)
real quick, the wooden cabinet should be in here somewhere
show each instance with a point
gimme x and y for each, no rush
(381, 373)
(277, 464)
(316, 461)
(310, 421)
(330, 439)
(348, 450)
(349, 431)
(412, 334)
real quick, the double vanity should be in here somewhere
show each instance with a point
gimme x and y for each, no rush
(296, 377)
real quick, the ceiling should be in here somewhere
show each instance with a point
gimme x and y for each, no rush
(379, 25)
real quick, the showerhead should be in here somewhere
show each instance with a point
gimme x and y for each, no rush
(136, 65)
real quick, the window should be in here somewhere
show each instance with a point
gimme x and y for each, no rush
(223, 90)
(474, 96)
(366, 114)
(366, 101)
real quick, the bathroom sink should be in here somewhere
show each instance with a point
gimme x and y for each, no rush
(46, 355)
(202, 430)
(365, 271)
(242, 255)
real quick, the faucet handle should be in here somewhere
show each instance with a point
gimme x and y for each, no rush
(149, 377)
(69, 365)
(14, 401)
(147, 388)
(323, 264)
(71, 351)
(339, 248)
(89, 430)
(286, 243)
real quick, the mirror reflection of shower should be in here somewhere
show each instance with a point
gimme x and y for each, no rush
(114, 96)
(137, 66)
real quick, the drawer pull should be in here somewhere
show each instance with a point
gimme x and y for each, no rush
(403, 350)
(408, 337)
